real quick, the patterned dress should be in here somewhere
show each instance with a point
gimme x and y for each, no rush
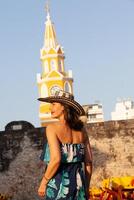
(69, 181)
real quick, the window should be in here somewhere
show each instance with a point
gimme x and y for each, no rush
(92, 116)
(53, 65)
(67, 87)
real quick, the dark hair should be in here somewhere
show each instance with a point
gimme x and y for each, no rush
(72, 118)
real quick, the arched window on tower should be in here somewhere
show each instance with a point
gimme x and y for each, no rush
(67, 87)
(44, 91)
(53, 65)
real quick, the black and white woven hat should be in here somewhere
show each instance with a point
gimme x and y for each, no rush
(63, 97)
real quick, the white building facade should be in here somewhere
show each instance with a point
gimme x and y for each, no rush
(124, 109)
(94, 113)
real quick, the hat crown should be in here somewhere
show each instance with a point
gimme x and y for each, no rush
(65, 98)
(61, 93)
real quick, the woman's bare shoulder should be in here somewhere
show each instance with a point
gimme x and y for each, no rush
(53, 126)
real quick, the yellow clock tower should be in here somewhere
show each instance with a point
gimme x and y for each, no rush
(53, 76)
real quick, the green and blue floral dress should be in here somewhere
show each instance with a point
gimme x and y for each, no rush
(69, 181)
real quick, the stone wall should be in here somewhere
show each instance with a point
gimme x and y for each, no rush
(112, 145)
(21, 169)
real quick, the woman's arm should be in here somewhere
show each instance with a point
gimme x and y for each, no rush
(88, 161)
(88, 164)
(55, 158)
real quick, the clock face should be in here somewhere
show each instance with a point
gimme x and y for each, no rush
(54, 89)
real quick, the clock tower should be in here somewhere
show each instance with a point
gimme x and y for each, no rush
(53, 76)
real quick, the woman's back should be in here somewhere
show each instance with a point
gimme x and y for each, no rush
(66, 135)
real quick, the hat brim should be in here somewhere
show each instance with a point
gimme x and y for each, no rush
(72, 103)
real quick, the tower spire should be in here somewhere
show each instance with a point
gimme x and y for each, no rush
(50, 40)
(47, 8)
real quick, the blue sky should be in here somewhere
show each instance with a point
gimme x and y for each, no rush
(98, 40)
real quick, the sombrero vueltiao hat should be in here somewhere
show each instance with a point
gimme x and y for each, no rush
(63, 97)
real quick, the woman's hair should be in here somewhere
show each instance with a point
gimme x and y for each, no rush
(72, 118)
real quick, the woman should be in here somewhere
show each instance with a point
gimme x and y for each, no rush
(68, 148)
